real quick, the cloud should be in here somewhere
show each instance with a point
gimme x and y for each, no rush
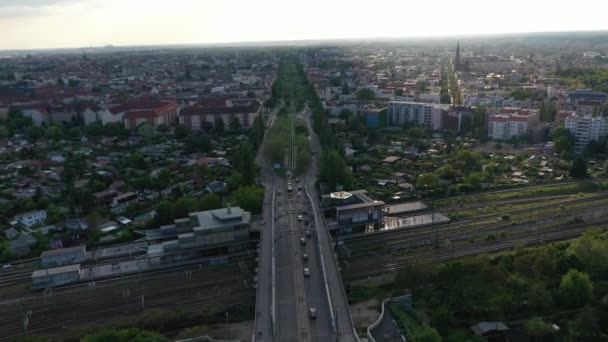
(28, 3)
(12, 9)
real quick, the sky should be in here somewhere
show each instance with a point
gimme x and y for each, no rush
(37, 24)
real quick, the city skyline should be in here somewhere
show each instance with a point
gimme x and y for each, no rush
(84, 23)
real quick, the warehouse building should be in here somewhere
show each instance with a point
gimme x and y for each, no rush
(63, 256)
(56, 276)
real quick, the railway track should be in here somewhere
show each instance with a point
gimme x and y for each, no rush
(481, 223)
(185, 288)
(364, 268)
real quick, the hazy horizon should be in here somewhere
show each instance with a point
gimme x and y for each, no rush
(56, 24)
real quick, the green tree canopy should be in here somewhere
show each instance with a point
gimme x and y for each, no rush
(137, 161)
(165, 212)
(366, 94)
(576, 288)
(124, 335)
(578, 168)
(219, 125)
(427, 181)
(4, 132)
(181, 132)
(234, 123)
(250, 198)
(243, 161)
(53, 132)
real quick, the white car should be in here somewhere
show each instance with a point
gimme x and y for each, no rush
(300, 218)
(313, 313)
(306, 272)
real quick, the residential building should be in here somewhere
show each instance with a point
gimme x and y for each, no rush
(151, 110)
(428, 115)
(216, 107)
(587, 95)
(586, 128)
(510, 122)
(31, 218)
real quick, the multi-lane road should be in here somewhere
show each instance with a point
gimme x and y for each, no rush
(293, 228)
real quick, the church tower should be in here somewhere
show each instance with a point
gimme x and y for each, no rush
(457, 64)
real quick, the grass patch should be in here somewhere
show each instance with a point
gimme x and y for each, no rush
(358, 294)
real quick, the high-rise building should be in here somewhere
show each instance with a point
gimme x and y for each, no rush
(586, 128)
(428, 115)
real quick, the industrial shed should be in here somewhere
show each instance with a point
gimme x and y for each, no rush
(63, 256)
(55, 276)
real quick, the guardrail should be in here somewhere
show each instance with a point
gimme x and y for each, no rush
(273, 273)
(377, 322)
(320, 251)
(352, 323)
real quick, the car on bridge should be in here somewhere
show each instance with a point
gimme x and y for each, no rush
(300, 218)
(312, 312)
(306, 272)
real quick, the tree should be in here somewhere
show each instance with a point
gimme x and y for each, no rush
(181, 132)
(251, 94)
(562, 144)
(538, 328)
(209, 202)
(35, 132)
(162, 128)
(137, 161)
(75, 133)
(234, 123)
(197, 143)
(54, 215)
(162, 180)
(415, 133)
(124, 335)
(4, 132)
(219, 125)
(256, 134)
(345, 89)
(424, 333)
(576, 288)
(427, 181)
(578, 168)
(244, 163)
(185, 206)
(165, 212)
(334, 171)
(54, 132)
(250, 198)
(207, 126)
(467, 160)
(591, 250)
(366, 94)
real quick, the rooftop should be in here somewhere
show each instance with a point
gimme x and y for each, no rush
(62, 251)
(56, 270)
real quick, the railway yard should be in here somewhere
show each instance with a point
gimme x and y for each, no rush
(58, 310)
(474, 227)
(481, 227)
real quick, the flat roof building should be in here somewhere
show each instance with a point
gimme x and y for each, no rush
(63, 256)
(56, 276)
